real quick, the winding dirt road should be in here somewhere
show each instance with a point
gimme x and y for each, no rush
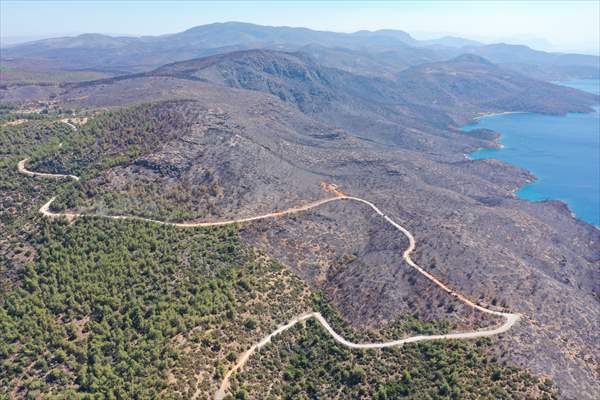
(510, 318)
(22, 168)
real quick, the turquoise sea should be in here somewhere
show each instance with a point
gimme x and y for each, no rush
(563, 152)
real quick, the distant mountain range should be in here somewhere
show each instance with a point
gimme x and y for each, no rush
(374, 53)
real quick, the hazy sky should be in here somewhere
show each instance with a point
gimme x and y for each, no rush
(569, 25)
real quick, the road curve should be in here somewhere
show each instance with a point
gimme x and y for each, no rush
(22, 165)
(510, 318)
(66, 122)
(22, 168)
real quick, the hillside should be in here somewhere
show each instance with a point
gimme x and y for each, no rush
(185, 302)
(469, 82)
(237, 134)
(430, 93)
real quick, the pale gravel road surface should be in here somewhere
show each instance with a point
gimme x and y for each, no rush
(22, 168)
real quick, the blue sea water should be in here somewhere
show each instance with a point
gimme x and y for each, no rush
(563, 152)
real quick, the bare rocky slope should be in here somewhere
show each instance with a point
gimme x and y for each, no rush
(414, 110)
(258, 143)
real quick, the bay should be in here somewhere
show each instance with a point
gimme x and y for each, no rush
(563, 152)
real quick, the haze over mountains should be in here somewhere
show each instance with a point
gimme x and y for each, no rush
(378, 53)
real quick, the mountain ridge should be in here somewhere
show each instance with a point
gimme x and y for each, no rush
(138, 54)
